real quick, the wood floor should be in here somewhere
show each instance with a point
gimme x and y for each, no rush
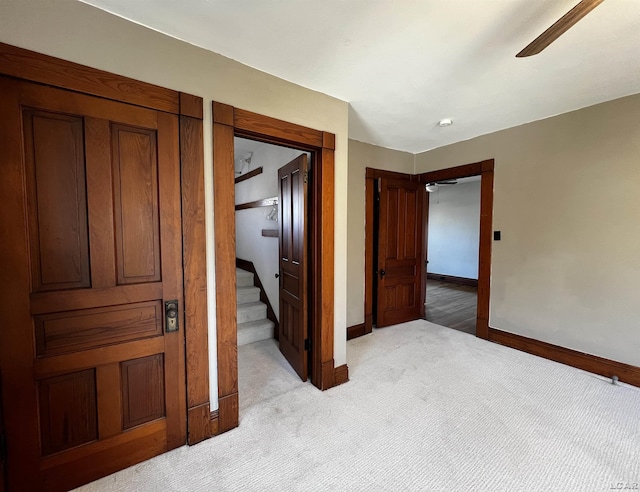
(452, 305)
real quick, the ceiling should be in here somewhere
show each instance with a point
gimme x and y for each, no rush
(405, 64)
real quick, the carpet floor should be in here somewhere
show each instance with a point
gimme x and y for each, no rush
(427, 408)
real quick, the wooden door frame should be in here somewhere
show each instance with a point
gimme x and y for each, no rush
(35, 67)
(230, 122)
(484, 169)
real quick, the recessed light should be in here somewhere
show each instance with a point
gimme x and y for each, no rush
(445, 122)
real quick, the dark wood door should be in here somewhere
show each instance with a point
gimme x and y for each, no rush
(400, 251)
(293, 326)
(92, 382)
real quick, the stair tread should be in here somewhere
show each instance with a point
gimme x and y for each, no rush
(243, 273)
(247, 288)
(253, 324)
(249, 306)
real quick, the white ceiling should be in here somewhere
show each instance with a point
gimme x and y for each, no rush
(405, 64)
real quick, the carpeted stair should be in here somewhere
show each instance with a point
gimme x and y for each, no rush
(253, 324)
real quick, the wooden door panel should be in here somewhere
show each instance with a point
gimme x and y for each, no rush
(399, 251)
(100, 208)
(96, 379)
(142, 390)
(54, 164)
(68, 415)
(293, 328)
(71, 331)
(136, 204)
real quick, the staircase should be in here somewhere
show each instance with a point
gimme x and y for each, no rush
(253, 324)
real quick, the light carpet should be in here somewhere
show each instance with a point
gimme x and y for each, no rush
(427, 408)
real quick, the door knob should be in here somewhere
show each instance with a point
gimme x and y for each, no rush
(382, 273)
(277, 275)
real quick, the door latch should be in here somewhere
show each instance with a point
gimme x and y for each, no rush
(171, 316)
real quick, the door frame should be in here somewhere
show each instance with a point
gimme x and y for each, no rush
(230, 122)
(484, 169)
(35, 67)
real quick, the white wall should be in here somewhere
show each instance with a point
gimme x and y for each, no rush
(567, 200)
(361, 156)
(454, 230)
(250, 244)
(78, 32)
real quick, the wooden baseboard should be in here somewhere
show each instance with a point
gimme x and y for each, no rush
(341, 374)
(587, 362)
(472, 282)
(356, 331)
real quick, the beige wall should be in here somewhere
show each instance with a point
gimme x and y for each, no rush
(361, 156)
(567, 200)
(83, 34)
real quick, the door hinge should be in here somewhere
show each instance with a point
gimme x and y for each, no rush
(307, 344)
(3, 448)
(306, 177)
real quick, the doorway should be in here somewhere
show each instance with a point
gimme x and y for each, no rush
(230, 122)
(485, 170)
(271, 260)
(453, 228)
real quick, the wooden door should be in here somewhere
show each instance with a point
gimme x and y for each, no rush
(400, 261)
(3, 449)
(92, 380)
(293, 326)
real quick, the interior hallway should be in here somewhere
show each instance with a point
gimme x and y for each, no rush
(452, 305)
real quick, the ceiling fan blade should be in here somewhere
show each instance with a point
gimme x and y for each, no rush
(560, 27)
(447, 182)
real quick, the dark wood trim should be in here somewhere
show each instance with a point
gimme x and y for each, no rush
(228, 413)
(484, 252)
(250, 267)
(471, 282)
(36, 67)
(227, 123)
(322, 277)
(370, 184)
(224, 226)
(587, 362)
(251, 124)
(425, 247)
(485, 169)
(465, 171)
(356, 331)
(198, 424)
(256, 172)
(214, 428)
(194, 238)
(265, 202)
(328, 141)
(222, 113)
(371, 173)
(191, 106)
(341, 374)
(270, 233)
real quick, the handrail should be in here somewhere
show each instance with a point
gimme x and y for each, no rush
(265, 202)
